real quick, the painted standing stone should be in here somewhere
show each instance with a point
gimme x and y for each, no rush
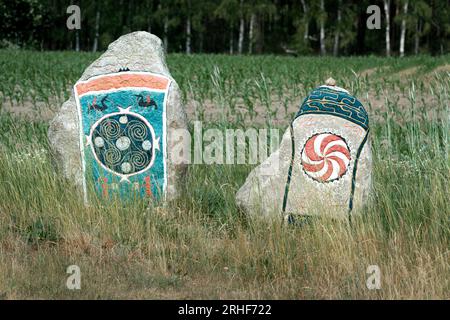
(116, 132)
(122, 133)
(323, 165)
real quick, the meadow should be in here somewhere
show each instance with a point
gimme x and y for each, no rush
(201, 245)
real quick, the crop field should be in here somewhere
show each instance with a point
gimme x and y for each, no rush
(201, 245)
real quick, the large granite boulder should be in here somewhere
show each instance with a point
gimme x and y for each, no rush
(153, 102)
(323, 165)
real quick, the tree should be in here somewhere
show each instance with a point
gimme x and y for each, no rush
(440, 27)
(188, 27)
(403, 28)
(322, 18)
(233, 26)
(259, 10)
(241, 27)
(163, 16)
(420, 21)
(338, 29)
(251, 32)
(227, 10)
(387, 4)
(97, 26)
(305, 21)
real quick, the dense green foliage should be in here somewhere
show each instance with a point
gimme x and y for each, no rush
(231, 26)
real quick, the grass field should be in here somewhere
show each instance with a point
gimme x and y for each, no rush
(201, 246)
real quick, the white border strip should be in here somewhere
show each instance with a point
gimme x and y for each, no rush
(166, 97)
(80, 130)
(334, 88)
(123, 88)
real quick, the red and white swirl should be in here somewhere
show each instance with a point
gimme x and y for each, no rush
(325, 157)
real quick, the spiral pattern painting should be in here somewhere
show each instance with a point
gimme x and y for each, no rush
(137, 130)
(325, 157)
(123, 143)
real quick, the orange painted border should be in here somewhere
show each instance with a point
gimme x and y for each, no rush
(118, 81)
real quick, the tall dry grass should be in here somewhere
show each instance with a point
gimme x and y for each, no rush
(202, 246)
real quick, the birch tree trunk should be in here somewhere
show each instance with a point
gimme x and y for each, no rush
(417, 38)
(387, 4)
(251, 33)
(201, 41)
(97, 27)
(338, 26)
(403, 29)
(166, 32)
(149, 9)
(231, 40)
(241, 28)
(77, 40)
(188, 28)
(306, 27)
(188, 35)
(323, 49)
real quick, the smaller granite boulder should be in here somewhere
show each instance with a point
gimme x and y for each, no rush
(323, 165)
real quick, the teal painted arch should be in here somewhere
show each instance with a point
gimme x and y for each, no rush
(338, 103)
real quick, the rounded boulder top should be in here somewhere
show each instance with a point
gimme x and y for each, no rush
(136, 51)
